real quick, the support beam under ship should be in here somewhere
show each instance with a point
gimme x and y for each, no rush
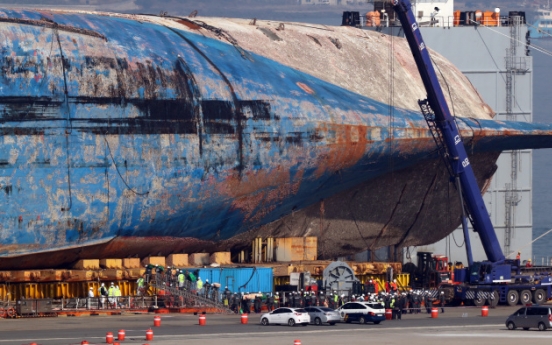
(127, 135)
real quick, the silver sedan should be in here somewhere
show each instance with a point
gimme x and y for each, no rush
(320, 315)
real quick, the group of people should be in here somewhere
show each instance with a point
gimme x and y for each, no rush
(400, 303)
(183, 279)
(111, 295)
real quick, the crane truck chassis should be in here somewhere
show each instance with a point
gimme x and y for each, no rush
(498, 280)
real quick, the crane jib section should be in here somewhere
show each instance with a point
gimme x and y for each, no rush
(456, 154)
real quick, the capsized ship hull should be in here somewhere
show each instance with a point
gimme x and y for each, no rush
(136, 135)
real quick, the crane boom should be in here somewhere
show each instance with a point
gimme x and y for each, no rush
(436, 110)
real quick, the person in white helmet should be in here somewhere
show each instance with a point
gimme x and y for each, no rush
(257, 303)
(207, 287)
(277, 300)
(103, 295)
(90, 297)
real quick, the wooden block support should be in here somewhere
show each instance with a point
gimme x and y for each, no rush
(111, 263)
(154, 260)
(221, 258)
(132, 263)
(89, 264)
(111, 274)
(133, 273)
(199, 259)
(177, 260)
(52, 275)
(24, 276)
(81, 276)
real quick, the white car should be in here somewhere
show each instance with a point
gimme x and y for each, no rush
(289, 316)
(362, 312)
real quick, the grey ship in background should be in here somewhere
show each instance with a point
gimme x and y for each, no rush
(492, 49)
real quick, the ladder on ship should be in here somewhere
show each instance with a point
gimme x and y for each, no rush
(186, 298)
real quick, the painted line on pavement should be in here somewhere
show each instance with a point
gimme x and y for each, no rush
(249, 334)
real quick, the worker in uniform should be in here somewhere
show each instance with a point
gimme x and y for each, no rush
(103, 295)
(528, 263)
(415, 302)
(149, 268)
(393, 286)
(192, 279)
(90, 297)
(518, 258)
(199, 286)
(216, 294)
(234, 303)
(277, 300)
(249, 302)
(257, 303)
(118, 299)
(308, 299)
(442, 301)
(244, 304)
(401, 305)
(286, 302)
(392, 305)
(270, 302)
(427, 302)
(387, 301)
(227, 294)
(341, 300)
(408, 302)
(111, 295)
(207, 288)
(303, 299)
(320, 299)
(140, 286)
(181, 279)
(296, 300)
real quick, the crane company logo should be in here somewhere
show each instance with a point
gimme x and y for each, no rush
(414, 27)
(456, 140)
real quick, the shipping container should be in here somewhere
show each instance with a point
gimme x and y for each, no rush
(240, 279)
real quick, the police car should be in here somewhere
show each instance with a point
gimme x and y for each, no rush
(362, 312)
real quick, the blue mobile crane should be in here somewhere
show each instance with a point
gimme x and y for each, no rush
(498, 276)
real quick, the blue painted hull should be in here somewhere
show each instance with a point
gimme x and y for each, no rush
(125, 137)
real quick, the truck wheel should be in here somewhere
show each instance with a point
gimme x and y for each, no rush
(496, 299)
(525, 297)
(512, 297)
(479, 301)
(539, 296)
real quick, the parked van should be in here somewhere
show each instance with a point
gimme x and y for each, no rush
(531, 317)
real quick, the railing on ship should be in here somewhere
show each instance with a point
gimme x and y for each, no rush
(188, 296)
(439, 21)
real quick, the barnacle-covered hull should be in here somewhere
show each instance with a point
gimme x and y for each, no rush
(137, 135)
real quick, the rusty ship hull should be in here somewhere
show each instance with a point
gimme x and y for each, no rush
(140, 135)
